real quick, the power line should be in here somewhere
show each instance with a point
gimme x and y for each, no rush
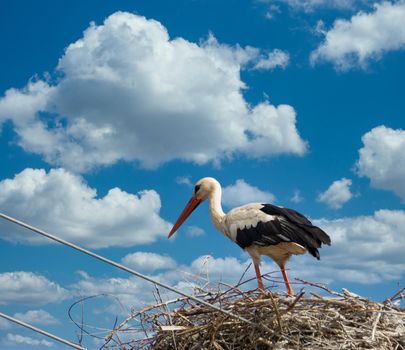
(122, 267)
(38, 330)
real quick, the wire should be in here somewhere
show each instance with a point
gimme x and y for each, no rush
(122, 267)
(38, 330)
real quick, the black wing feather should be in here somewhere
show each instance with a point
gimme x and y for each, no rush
(299, 220)
(264, 233)
(288, 226)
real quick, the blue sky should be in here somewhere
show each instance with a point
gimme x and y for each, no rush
(110, 111)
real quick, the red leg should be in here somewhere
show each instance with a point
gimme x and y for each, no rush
(259, 277)
(286, 280)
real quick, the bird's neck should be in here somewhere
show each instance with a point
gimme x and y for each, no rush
(216, 212)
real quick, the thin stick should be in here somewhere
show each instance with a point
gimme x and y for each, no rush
(40, 331)
(375, 326)
(295, 302)
(321, 286)
(122, 267)
(280, 326)
(243, 274)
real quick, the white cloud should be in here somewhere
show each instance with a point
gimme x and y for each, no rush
(125, 84)
(297, 198)
(382, 159)
(125, 294)
(365, 249)
(365, 37)
(226, 269)
(148, 262)
(274, 59)
(64, 204)
(22, 104)
(18, 340)
(133, 292)
(242, 193)
(274, 132)
(121, 287)
(195, 231)
(28, 288)
(272, 10)
(4, 324)
(312, 5)
(40, 317)
(337, 194)
(184, 180)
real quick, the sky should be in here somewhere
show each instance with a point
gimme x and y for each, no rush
(111, 111)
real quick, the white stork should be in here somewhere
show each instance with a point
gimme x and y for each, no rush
(259, 229)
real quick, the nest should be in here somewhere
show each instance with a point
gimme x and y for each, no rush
(332, 321)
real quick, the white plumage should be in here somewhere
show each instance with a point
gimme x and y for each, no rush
(246, 216)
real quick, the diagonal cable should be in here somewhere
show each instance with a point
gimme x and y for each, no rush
(122, 267)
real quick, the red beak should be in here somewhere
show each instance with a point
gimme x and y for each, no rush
(191, 205)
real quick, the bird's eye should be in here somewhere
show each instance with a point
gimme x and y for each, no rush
(196, 188)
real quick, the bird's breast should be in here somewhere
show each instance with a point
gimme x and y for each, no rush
(280, 252)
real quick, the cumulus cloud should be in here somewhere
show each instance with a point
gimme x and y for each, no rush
(337, 194)
(274, 59)
(241, 193)
(126, 84)
(184, 180)
(4, 324)
(63, 203)
(296, 197)
(148, 262)
(225, 269)
(382, 159)
(28, 288)
(40, 317)
(195, 231)
(124, 293)
(365, 249)
(364, 37)
(116, 286)
(311, 5)
(18, 340)
(136, 293)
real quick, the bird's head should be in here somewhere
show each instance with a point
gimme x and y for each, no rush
(203, 189)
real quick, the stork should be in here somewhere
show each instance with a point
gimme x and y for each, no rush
(259, 229)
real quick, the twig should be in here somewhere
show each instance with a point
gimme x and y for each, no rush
(321, 286)
(280, 326)
(375, 323)
(243, 274)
